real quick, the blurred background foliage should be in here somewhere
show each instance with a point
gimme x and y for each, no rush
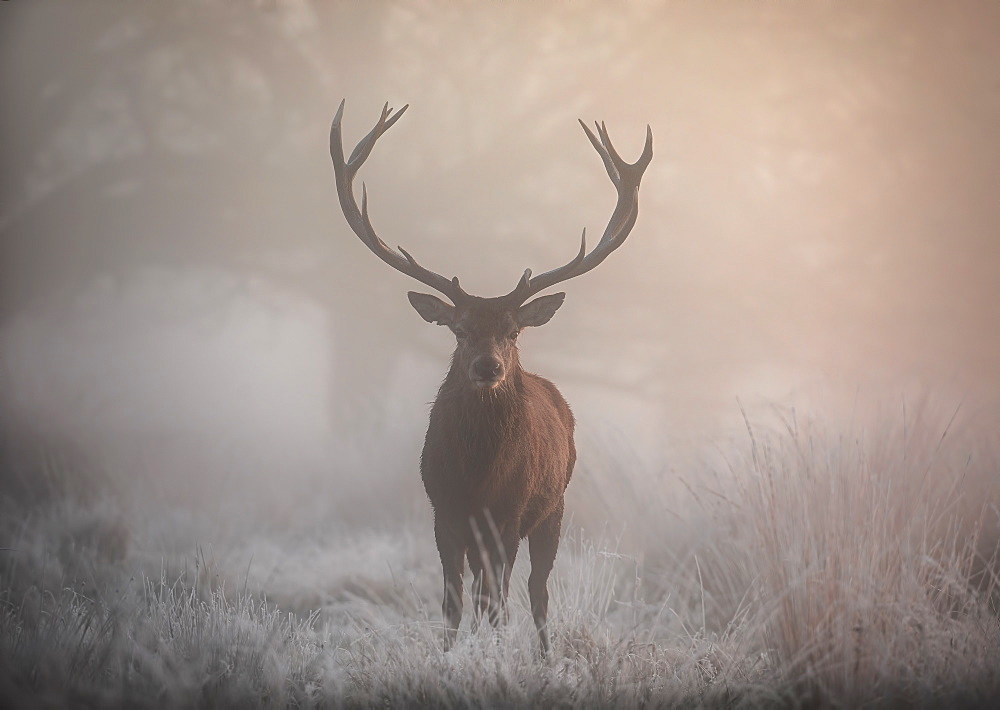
(820, 214)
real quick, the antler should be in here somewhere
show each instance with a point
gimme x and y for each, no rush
(626, 178)
(358, 218)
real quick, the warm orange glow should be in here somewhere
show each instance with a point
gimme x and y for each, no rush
(184, 308)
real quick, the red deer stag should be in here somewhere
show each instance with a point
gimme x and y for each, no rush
(499, 449)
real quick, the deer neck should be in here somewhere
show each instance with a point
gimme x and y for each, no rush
(487, 421)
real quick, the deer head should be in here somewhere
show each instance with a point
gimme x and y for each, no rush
(486, 329)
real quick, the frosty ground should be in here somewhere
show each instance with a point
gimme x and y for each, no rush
(801, 565)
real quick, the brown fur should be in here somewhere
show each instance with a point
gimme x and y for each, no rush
(495, 465)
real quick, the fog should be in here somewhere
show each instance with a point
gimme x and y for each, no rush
(180, 294)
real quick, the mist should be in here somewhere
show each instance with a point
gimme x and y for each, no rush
(794, 357)
(180, 290)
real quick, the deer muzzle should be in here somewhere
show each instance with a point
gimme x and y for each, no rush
(486, 372)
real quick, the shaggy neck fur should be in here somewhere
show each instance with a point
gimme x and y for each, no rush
(483, 419)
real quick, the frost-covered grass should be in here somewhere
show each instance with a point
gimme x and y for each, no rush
(810, 568)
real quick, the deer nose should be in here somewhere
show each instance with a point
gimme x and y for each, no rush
(487, 368)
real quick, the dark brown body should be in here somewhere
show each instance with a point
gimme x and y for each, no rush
(495, 466)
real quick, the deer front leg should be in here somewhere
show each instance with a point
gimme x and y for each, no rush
(510, 541)
(480, 592)
(542, 545)
(492, 551)
(452, 551)
(482, 553)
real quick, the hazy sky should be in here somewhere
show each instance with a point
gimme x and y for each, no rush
(821, 213)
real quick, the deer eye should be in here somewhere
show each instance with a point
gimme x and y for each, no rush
(513, 334)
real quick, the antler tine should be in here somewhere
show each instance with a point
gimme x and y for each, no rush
(626, 178)
(365, 145)
(601, 146)
(359, 220)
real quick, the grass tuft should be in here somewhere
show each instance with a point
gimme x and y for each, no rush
(814, 568)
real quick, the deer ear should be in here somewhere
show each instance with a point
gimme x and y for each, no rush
(539, 311)
(431, 308)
